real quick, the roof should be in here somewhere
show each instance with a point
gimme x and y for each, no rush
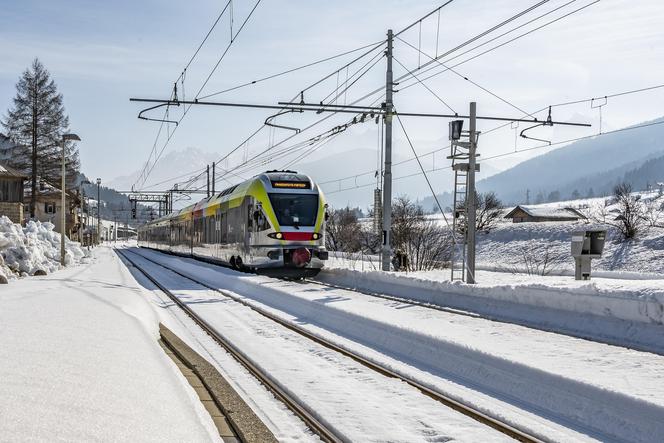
(6, 171)
(547, 212)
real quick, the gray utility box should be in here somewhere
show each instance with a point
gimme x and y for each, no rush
(586, 245)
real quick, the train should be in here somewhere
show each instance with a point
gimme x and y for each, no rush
(273, 224)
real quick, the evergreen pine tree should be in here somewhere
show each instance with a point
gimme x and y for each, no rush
(35, 123)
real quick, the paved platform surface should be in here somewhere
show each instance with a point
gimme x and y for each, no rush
(80, 361)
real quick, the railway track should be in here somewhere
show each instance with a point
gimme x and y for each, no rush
(308, 416)
(299, 410)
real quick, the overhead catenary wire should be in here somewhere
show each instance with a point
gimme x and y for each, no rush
(448, 52)
(201, 89)
(464, 77)
(182, 77)
(348, 64)
(508, 41)
(425, 86)
(472, 39)
(554, 105)
(505, 154)
(288, 71)
(408, 27)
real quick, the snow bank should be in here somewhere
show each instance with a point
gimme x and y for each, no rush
(624, 312)
(35, 247)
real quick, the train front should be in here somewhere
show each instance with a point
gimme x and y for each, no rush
(294, 218)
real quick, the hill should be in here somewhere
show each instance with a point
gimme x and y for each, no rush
(593, 164)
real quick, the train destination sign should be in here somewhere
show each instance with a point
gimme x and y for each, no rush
(291, 185)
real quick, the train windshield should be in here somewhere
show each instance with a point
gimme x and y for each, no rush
(295, 209)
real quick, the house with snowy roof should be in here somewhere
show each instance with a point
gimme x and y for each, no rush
(523, 214)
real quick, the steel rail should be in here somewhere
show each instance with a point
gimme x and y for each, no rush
(299, 410)
(455, 404)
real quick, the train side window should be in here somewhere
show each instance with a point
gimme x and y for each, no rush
(262, 222)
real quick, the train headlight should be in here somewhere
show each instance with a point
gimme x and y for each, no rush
(315, 236)
(277, 235)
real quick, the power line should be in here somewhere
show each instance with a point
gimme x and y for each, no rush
(465, 78)
(345, 67)
(433, 193)
(203, 41)
(288, 71)
(186, 109)
(442, 55)
(505, 154)
(508, 41)
(424, 84)
(375, 46)
(181, 77)
(467, 42)
(424, 17)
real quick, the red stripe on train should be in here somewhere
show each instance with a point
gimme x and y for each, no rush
(298, 236)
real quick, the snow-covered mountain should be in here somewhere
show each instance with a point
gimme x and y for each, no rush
(590, 166)
(172, 164)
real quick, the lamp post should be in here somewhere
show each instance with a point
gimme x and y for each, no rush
(63, 229)
(98, 213)
(85, 213)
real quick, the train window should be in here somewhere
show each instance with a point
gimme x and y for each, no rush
(295, 209)
(262, 222)
(250, 217)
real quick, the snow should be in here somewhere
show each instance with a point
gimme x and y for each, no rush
(509, 245)
(35, 247)
(553, 212)
(360, 404)
(623, 312)
(81, 362)
(560, 387)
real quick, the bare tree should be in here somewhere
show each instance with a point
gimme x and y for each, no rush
(343, 231)
(419, 243)
(538, 261)
(631, 216)
(653, 212)
(598, 211)
(489, 210)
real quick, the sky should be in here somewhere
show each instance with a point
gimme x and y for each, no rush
(102, 53)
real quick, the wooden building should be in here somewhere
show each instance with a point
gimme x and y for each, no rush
(48, 208)
(523, 214)
(11, 193)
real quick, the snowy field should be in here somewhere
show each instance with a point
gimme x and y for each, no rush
(509, 246)
(563, 388)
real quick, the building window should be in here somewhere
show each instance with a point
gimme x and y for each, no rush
(49, 208)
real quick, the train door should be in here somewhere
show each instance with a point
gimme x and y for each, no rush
(217, 234)
(250, 227)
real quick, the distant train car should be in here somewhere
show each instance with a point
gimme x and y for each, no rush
(273, 224)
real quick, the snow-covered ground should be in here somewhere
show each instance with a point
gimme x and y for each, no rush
(508, 246)
(81, 362)
(33, 248)
(360, 404)
(564, 388)
(618, 311)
